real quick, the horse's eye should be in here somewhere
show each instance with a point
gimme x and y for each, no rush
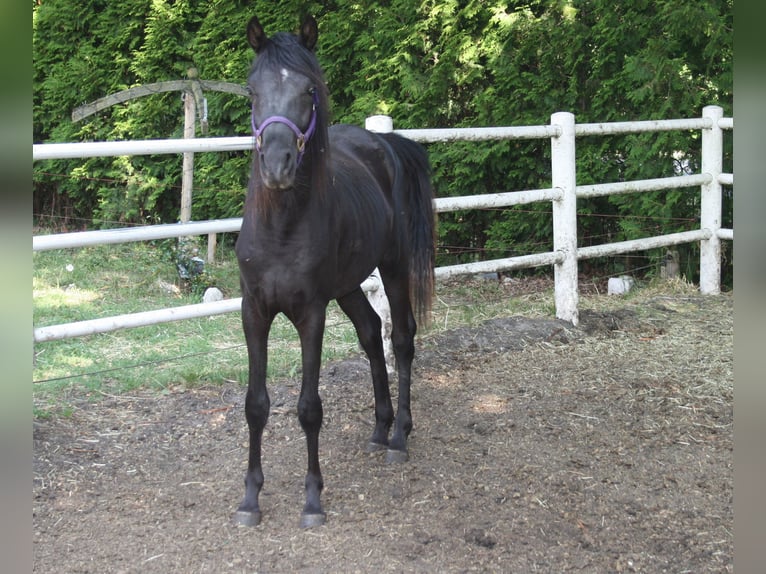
(312, 90)
(249, 91)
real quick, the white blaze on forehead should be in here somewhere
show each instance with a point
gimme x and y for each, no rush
(284, 73)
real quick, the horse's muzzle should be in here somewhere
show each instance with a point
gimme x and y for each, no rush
(277, 168)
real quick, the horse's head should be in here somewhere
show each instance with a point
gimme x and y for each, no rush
(289, 101)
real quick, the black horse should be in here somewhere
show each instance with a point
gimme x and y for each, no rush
(325, 206)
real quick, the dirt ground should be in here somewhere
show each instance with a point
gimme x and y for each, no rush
(537, 447)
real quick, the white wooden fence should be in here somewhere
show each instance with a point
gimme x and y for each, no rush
(563, 194)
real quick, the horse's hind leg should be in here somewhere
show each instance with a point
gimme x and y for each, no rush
(403, 338)
(367, 324)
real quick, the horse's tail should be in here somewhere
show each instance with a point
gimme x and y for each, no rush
(414, 194)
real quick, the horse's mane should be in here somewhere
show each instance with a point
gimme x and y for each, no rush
(284, 50)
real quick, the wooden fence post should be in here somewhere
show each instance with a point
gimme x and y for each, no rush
(564, 177)
(711, 202)
(187, 172)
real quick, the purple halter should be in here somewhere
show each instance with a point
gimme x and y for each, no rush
(301, 138)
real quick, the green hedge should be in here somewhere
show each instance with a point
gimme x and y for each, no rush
(425, 63)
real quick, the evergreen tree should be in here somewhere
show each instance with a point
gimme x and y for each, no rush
(427, 63)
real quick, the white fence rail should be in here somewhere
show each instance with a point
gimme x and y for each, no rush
(563, 194)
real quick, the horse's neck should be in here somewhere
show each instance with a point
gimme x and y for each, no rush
(284, 213)
(279, 210)
(268, 203)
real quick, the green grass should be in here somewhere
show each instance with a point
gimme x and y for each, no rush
(79, 284)
(87, 283)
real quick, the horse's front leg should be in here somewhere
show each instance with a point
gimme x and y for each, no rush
(257, 405)
(310, 327)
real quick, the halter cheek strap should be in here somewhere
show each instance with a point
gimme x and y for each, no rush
(301, 137)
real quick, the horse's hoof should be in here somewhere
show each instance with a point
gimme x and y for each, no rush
(376, 447)
(313, 520)
(245, 518)
(396, 456)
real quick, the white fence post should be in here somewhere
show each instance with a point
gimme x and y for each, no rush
(379, 124)
(564, 176)
(711, 203)
(375, 292)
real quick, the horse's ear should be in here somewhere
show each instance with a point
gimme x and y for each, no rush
(309, 32)
(256, 37)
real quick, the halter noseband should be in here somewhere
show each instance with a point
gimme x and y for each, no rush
(301, 137)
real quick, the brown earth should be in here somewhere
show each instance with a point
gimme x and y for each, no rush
(537, 447)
